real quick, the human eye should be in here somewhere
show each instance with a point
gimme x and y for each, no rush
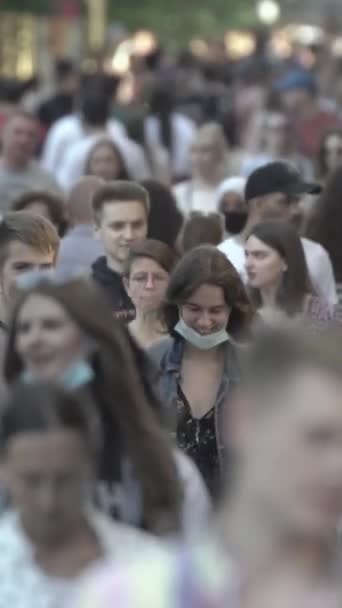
(117, 226)
(22, 267)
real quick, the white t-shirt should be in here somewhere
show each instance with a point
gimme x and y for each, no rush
(183, 133)
(64, 133)
(192, 196)
(22, 582)
(72, 166)
(317, 259)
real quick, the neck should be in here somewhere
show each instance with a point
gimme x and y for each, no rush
(196, 353)
(212, 178)
(269, 296)
(114, 265)
(261, 549)
(148, 323)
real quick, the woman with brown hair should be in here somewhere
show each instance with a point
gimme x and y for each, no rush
(207, 310)
(147, 273)
(64, 330)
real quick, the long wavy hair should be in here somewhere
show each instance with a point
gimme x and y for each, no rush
(120, 395)
(207, 265)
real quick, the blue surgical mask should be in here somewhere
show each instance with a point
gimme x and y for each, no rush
(77, 375)
(199, 341)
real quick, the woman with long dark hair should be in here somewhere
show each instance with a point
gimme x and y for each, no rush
(278, 278)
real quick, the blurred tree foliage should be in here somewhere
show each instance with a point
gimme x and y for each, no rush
(177, 20)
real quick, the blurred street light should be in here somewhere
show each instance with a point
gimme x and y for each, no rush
(268, 11)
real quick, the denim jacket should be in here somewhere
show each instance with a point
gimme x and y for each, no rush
(167, 355)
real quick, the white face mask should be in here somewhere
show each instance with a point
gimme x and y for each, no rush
(197, 340)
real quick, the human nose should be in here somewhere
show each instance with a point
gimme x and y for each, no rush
(47, 496)
(204, 321)
(149, 284)
(128, 233)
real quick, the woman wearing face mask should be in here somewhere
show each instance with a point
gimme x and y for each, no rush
(51, 533)
(207, 309)
(278, 279)
(64, 331)
(231, 203)
(147, 273)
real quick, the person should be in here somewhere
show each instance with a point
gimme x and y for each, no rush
(168, 131)
(51, 533)
(209, 167)
(200, 229)
(61, 102)
(274, 138)
(147, 273)
(62, 329)
(207, 309)
(278, 278)
(121, 211)
(323, 224)
(164, 220)
(66, 131)
(80, 248)
(28, 242)
(48, 205)
(330, 153)
(77, 142)
(308, 114)
(273, 543)
(19, 171)
(273, 192)
(232, 205)
(106, 162)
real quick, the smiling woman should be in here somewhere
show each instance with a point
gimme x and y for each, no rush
(206, 310)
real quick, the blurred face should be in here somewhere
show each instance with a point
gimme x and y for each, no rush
(265, 267)
(105, 163)
(295, 99)
(206, 310)
(333, 152)
(21, 258)
(147, 284)
(205, 158)
(48, 475)
(19, 139)
(276, 133)
(47, 340)
(293, 455)
(121, 225)
(232, 202)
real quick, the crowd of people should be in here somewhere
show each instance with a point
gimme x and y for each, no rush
(170, 337)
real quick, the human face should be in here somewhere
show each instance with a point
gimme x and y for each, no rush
(206, 310)
(293, 455)
(204, 159)
(333, 152)
(19, 139)
(275, 207)
(105, 163)
(21, 258)
(264, 265)
(47, 340)
(232, 202)
(121, 225)
(48, 475)
(147, 284)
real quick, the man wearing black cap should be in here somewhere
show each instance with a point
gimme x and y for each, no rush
(273, 192)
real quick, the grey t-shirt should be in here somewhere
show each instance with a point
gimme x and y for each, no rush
(14, 183)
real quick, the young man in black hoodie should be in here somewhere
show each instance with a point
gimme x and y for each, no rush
(121, 211)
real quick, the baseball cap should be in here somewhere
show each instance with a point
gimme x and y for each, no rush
(296, 79)
(278, 177)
